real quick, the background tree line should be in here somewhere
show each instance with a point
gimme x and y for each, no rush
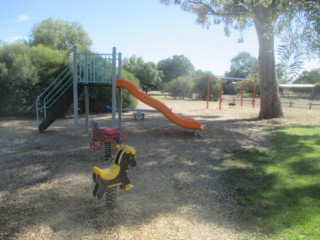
(28, 67)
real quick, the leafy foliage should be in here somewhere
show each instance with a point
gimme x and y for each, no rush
(299, 31)
(147, 73)
(242, 65)
(128, 100)
(311, 77)
(248, 85)
(181, 87)
(174, 67)
(200, 87)
(24, 72)
(59, 35)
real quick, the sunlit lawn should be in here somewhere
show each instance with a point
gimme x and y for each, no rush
(279, 188)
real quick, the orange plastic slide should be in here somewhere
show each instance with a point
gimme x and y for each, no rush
(183, 122)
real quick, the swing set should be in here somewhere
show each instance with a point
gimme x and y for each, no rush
(208, 91)
(220, 91)
(253, 93)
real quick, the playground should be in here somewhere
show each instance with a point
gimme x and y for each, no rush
(180, 187)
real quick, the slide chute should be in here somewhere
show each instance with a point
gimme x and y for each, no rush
(184, 122)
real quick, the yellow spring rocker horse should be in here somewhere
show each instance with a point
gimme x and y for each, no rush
(116, 174)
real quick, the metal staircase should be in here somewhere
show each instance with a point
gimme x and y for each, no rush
(86, 69)
(53, 101)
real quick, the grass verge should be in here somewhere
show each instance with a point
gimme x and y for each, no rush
(278, 190)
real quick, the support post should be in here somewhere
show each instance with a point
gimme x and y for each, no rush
(254, 94)
(220, 94)
(119, 94)
(86, 90)
(208, 93)
(242, 90)
(37, 112)
(86, 105)
(75, 93)
(114, 87)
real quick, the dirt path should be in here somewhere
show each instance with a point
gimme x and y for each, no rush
(46, 186)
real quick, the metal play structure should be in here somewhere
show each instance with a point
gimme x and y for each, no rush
(96, 69)
(85, 70)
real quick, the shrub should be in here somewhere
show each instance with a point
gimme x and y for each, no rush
(180, 87)
(200, 87)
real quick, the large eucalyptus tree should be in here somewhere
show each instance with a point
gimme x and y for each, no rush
(264, 16)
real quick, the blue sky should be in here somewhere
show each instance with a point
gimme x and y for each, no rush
(144, 28)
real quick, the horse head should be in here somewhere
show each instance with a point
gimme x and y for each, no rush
(125, 156)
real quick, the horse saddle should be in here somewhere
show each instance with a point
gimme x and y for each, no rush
(109, 173)
(103, 180)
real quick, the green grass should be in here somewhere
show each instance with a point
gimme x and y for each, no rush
(278, 189)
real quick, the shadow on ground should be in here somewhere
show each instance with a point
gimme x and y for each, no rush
(47, 178)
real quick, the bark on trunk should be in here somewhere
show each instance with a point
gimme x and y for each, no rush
(270, 105)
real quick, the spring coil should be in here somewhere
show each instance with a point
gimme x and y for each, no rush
(107, 152)
(111, 197)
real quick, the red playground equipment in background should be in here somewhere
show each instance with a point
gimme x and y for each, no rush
(208, 91)
(253, 94)
(105, 135)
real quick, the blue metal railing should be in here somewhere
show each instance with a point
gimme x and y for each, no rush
(95, 68)
(91, 68)
(53, 93)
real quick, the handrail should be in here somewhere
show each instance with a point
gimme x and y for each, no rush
(53, 92)
(65, 87)
(54, 81)
(58, 88)
(92, 68)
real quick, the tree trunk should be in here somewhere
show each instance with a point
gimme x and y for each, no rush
(270, 105)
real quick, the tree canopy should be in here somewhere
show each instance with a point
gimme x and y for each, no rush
(311, 77)
(147, 73)
(174, 67)
(59, 35)
(243, 65)
(263, 15)
(300, 34)
(24, 72)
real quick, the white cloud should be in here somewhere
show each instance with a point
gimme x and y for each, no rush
(22, 18)
(12, 39)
